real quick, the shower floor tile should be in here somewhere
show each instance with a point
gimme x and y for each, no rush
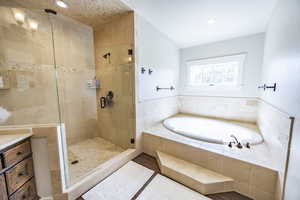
(90, 154)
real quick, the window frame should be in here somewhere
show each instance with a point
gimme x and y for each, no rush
(241, 57)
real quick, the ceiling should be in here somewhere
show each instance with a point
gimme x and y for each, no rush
(186, 21)
(90, 12)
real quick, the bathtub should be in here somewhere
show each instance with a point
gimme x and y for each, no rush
(213, 130)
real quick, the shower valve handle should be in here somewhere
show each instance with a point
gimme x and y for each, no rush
(102, 102)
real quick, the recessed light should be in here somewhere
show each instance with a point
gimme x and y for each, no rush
(33, 24)
(19, 16)
(61, 4)
(211, 21)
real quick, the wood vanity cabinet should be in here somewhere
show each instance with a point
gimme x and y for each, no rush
(16, 173)
(3, 193)
(16, 153)
(27, 192)
(19, 175)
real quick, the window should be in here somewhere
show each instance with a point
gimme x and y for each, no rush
(221, 71)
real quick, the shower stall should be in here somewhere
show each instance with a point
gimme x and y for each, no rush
(55, 70)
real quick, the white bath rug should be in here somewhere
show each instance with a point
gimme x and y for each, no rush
(163, 188)
(121, 185)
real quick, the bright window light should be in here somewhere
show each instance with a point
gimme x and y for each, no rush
(221, 71)
(211, 21)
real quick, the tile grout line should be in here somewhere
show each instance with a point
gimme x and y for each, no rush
(144, 186)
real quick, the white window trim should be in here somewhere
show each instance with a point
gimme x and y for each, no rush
(240, 57)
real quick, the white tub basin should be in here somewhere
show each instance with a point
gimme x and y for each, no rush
(212, 130)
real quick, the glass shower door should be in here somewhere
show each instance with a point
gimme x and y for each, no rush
(28, 93)
(75, 67)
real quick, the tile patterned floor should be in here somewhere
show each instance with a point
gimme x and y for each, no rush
(90, 154)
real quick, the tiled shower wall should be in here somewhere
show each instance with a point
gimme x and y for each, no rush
(27, 61)
(116, 73)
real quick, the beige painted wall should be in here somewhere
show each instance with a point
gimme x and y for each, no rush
(116, 123)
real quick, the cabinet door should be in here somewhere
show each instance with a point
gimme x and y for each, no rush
(1, 167)
(16, 154)
(26, 192)
(3, 193)
(18, 175)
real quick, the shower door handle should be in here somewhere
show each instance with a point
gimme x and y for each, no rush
(102, 102)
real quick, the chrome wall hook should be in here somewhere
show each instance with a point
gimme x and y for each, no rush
(143, 70)
(265, 86)
(159, 88)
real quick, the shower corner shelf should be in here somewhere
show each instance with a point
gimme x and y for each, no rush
(93, 84)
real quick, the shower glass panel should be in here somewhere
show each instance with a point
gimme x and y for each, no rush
(94, 135)
(75, 64)
(48, 64)
(28, 93)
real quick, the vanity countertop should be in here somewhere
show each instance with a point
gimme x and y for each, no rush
(11, 139)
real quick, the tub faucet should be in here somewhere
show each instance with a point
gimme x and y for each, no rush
(247, 145)
(238, 144)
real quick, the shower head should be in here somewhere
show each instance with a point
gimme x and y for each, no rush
(105, 56)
